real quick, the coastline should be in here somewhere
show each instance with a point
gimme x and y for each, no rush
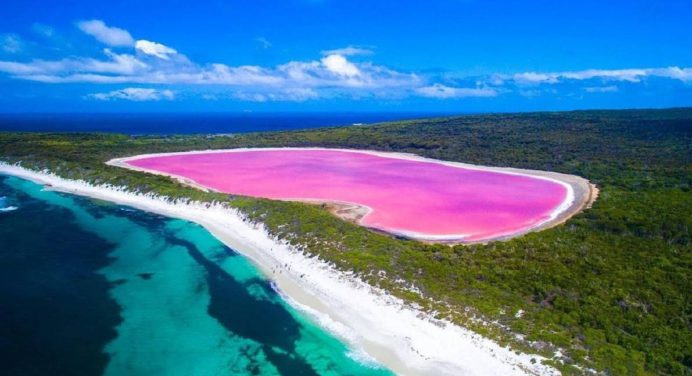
(580, 192)
(377, 325)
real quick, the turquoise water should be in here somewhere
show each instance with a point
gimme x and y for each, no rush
(97, 288)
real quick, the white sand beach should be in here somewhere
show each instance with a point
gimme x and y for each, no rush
(376, 325)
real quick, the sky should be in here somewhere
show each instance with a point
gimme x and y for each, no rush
(334, 55)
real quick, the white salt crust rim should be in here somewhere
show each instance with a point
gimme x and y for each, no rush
(553, 215)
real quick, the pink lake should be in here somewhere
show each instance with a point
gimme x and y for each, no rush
(424, 199)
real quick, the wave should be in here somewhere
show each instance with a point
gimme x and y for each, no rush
(3, 208)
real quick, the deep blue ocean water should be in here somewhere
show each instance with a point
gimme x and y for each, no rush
(191, 123)
(91, 288)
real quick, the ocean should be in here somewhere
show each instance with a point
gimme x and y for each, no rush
(93, 288)
(212, 123)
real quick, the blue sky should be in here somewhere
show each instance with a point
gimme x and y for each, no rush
(334, 55)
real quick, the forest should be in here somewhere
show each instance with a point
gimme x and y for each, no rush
(610, 288)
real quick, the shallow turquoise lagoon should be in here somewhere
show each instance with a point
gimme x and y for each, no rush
(96, 288)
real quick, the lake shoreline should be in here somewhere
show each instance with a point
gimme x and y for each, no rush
(376, 324)
(580, 192)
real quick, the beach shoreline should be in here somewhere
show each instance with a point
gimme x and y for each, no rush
(377, 325)
(580, 192)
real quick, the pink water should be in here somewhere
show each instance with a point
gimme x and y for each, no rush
(417, 198)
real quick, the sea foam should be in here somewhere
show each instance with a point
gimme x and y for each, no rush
(4, 207)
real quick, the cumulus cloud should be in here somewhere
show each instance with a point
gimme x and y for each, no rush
(339, 65)
(332, 74)
(111, 36)
(445, 92)
(348, 51)
(127, 68)
(154, 49)
(134, 94)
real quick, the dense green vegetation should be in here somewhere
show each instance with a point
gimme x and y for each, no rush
(610, 287)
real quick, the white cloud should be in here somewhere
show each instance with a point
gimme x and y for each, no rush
(221, 74)
(628, 75)
(118, 65)
(339, 65)
(134, 94)
(154, 49)
(631, 75)
(496, 80)
(534, 78)
(11, 43)
(601, 89)
(682, 74)
(348, 51)
(445, 92)
(250, 97)
(144, 62)
(263, 42)
(298, 94)
(287, 95)
(111, 36)
(292, 81)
